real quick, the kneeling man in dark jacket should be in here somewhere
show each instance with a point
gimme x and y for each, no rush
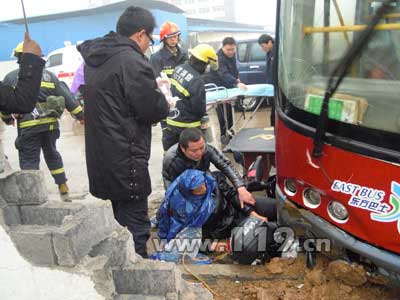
(192, 152)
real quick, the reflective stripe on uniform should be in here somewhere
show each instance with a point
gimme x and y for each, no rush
(48, 85)
(179, 87)
(77, 110)
(36, 122)
(168, 71)
(57, 172)
(182, 124)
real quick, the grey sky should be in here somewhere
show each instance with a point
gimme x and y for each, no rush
(260, 12)
(13, 9)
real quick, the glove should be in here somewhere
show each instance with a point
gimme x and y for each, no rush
(171, 101)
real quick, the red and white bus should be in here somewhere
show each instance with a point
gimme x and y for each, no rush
(341, 174)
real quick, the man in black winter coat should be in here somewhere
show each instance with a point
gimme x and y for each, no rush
(266, 43)
(227, 76)
(123, 101)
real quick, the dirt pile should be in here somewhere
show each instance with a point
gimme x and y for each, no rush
(328, 280)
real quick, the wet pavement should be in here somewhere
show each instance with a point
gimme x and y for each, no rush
(71, 145)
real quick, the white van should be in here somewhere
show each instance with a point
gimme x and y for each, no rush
(64, 62)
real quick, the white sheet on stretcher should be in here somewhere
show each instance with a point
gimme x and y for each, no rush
(253, 90)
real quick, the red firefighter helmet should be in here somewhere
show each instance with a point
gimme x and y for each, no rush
(169, 29)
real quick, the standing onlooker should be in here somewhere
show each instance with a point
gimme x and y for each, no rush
(123, 101)
(266, 43)
(227, 76)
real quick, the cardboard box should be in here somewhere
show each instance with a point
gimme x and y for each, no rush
(342, 107)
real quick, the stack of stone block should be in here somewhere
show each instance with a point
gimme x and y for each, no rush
(82, 237)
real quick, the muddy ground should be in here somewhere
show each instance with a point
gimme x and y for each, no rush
(327, 281)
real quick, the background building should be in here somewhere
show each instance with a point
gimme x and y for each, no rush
(52, 31)
(207, 9)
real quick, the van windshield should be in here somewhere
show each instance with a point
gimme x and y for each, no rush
(54, 60)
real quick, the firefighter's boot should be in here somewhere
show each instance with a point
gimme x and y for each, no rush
(63, 188)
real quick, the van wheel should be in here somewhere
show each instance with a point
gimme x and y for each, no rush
(247, 104)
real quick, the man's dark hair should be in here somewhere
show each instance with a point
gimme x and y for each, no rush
(228, 41)
(190, 135)
(264, 39)
(135, 19)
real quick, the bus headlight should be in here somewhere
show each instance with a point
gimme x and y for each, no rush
(290, 187)
(311, 198)
(338, 212)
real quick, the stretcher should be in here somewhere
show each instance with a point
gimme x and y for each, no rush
(216, 95)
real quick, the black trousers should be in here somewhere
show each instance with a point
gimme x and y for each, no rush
(170, 136)
(272, 118)
(134, 216)
(221, 108)
(228, 214)
(29, 145)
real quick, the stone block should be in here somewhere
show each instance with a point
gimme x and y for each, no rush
(35, 243)
(115, 247)
(100, 273)
(50, 213)
(147, 278)
(11, 215)
(32, 187)
(79, 233)
(24, 188)
(172, 296)
(195, 291)
(9, 189)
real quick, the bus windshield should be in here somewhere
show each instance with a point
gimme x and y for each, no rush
(314, 35)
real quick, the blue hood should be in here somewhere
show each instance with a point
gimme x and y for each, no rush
(180, 208)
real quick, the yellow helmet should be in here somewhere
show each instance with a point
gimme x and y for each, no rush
(207, 54)
(18, 49)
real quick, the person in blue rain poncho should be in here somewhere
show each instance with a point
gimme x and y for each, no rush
(186, 207)
(187, 203)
